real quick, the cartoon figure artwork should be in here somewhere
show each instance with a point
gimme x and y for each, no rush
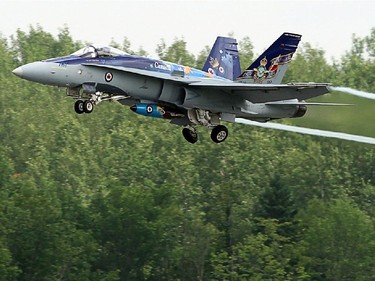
(214, 62)
(226, 62)
(187, 70)
(221, 64)
(260, 73)
(274, 66)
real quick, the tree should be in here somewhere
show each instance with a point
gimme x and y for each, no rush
(65, 45)
(261, 256)
(33, 46)
(176, 52)
(339, 241)
(246, 52)
(202, 57)
(309, 64)
(358, 64)
(8, 270)
(117, 196)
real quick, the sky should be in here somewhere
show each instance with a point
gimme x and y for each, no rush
(326, 24)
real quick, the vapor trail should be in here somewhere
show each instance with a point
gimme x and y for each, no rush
(308, 131)
(353, 92)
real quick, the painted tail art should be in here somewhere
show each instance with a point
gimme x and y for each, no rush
(223, 59)
(271, 66)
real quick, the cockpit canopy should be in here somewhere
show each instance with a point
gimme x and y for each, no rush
(98, 51)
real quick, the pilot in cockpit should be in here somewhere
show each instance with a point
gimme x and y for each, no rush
(98, 51)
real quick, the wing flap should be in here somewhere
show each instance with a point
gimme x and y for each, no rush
(259, 93)
(307, 103)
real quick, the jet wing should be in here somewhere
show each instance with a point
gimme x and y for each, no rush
(255, 93)
(263, 93)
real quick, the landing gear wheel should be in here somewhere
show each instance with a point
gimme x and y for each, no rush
(190, 135)
(78, 107)
(219, 134)
(88, 106)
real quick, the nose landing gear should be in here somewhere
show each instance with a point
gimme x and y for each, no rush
(78, 107)
(81, 106)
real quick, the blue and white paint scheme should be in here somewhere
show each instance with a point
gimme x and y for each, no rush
(186, 96)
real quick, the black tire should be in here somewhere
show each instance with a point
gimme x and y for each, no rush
(78, 107)
(190, 135)
(219, 134)
(88, 106)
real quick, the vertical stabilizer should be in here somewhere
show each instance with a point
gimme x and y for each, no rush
(223, 59)
(271, 66)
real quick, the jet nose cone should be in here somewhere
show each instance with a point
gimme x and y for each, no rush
(39, 71)
(18, 71)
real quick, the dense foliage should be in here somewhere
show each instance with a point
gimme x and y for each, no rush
(116, 196)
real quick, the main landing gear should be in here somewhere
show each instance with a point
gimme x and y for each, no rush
(202, 117)
(190, 134)
(218, 134)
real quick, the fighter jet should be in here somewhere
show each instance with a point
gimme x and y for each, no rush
(187, 97)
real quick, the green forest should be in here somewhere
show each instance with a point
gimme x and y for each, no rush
(117, 196)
